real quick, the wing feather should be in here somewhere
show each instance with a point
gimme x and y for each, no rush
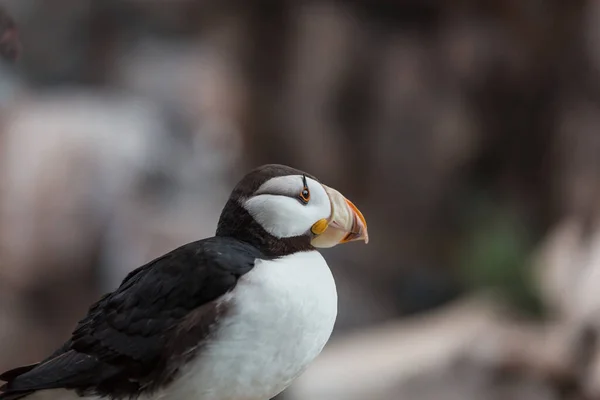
(125, 343)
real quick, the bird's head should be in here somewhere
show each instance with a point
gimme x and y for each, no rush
(281, 210)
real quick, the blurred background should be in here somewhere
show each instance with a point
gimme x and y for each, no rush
(468, 133)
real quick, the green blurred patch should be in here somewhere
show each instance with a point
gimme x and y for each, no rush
(496, 256)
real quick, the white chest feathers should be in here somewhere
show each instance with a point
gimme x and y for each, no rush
(283, 312)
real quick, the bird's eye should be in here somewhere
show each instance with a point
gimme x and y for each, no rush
(305, 193)
(305, 196)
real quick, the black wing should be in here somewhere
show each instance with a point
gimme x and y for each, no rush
(133, 338)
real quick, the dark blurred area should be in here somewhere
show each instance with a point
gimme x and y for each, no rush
(468, 132)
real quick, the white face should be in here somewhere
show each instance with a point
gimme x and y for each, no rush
(279, 208)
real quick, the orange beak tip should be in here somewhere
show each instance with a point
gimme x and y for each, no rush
(346, 223)
(360, 224)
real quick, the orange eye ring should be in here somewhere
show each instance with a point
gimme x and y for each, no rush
(305, 195)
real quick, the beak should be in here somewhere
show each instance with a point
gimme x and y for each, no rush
(346, 223)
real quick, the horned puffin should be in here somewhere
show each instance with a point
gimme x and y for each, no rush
(237, 316)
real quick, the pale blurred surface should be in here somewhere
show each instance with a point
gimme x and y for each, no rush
(466, 131)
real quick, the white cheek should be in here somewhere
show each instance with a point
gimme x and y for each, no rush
(283, 216)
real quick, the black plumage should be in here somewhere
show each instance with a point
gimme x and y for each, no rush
(132, 339)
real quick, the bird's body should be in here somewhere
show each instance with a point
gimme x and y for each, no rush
(234, 317)
(256, 351)
(281, 319)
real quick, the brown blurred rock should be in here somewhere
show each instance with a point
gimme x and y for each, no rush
(455, 353)
(10, 45)
(67, 159)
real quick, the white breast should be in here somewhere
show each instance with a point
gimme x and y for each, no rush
(283, 314)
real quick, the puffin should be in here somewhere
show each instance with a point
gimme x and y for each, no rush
(237, 316)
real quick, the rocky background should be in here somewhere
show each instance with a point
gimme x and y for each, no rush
(468, 132)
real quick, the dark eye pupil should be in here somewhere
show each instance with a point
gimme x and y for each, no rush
(305, 193)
